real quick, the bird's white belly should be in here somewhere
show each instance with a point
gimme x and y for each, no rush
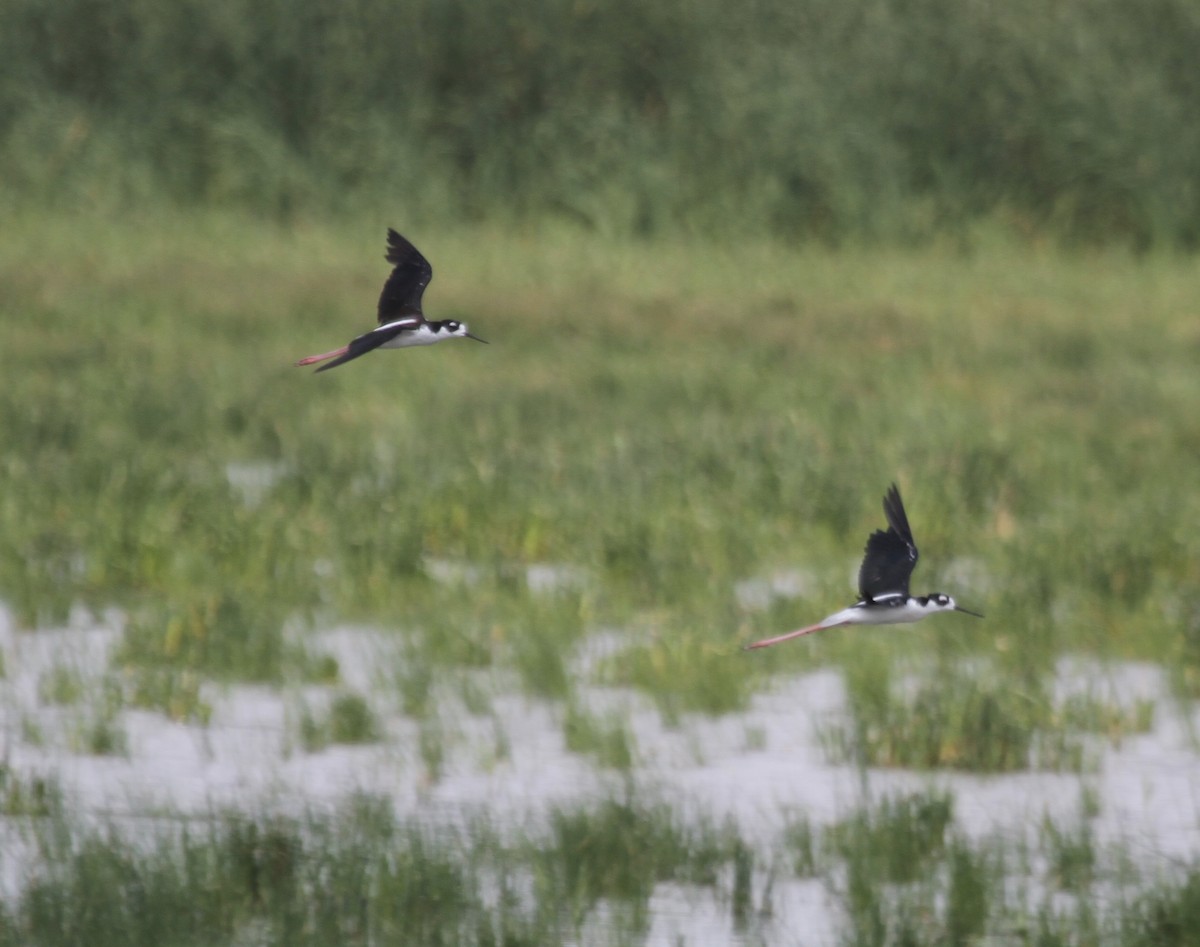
(895, 616)
(898, 615)
(411, 337)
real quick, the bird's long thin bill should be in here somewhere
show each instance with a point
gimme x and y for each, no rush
(477, 338)
(966, 611)
(767, 642)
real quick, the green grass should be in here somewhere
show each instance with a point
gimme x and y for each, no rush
(431, 746)
(627, 420)
(60, 685)
(1168, 915)
(100, 734)
(906, 874)
(899, 871)
(685, 672)
(900, 837)
(541, 645)
(667, 417)
(168, 691)
(358, 875)
(607, 738)
(972, 717)
(219, 636)
(800, 842)
(28, 795)
(621, 850)
(349, 720)
(415, 683)
(1072, 855)
(1090, 713)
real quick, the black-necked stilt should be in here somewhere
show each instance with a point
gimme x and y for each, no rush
(401, 322)
(883, 581)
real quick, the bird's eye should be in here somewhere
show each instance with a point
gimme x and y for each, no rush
(453, 325)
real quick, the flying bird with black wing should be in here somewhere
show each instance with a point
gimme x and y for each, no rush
(402, 324)
(888, 563)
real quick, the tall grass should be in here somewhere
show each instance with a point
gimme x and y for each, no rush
(877, 118)
(357, 875)
(896, 872)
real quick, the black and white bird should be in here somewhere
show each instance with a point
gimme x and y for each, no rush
(887, 565)
(401, 322)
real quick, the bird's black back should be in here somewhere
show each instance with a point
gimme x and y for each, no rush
(890, 556)
(403, 290)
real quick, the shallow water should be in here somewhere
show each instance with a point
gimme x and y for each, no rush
(756, 767)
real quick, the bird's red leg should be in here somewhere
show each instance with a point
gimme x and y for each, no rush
(320, 358)
(767, 642)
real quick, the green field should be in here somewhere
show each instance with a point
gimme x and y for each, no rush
(669, 418)
(655, 422)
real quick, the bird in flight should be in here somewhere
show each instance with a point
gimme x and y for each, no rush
(888, 563)
(401, 322)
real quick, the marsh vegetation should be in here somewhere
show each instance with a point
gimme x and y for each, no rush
(444, 646)
(579, 516)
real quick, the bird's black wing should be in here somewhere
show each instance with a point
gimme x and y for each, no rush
(890, 556)
(405, 287)
(369, 341)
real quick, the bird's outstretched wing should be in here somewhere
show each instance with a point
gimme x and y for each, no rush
(891, 555)
(405, 287)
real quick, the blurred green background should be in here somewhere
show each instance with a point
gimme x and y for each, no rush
(882, 119)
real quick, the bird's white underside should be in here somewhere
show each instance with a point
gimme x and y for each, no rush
(421, 335)
(910, 611)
